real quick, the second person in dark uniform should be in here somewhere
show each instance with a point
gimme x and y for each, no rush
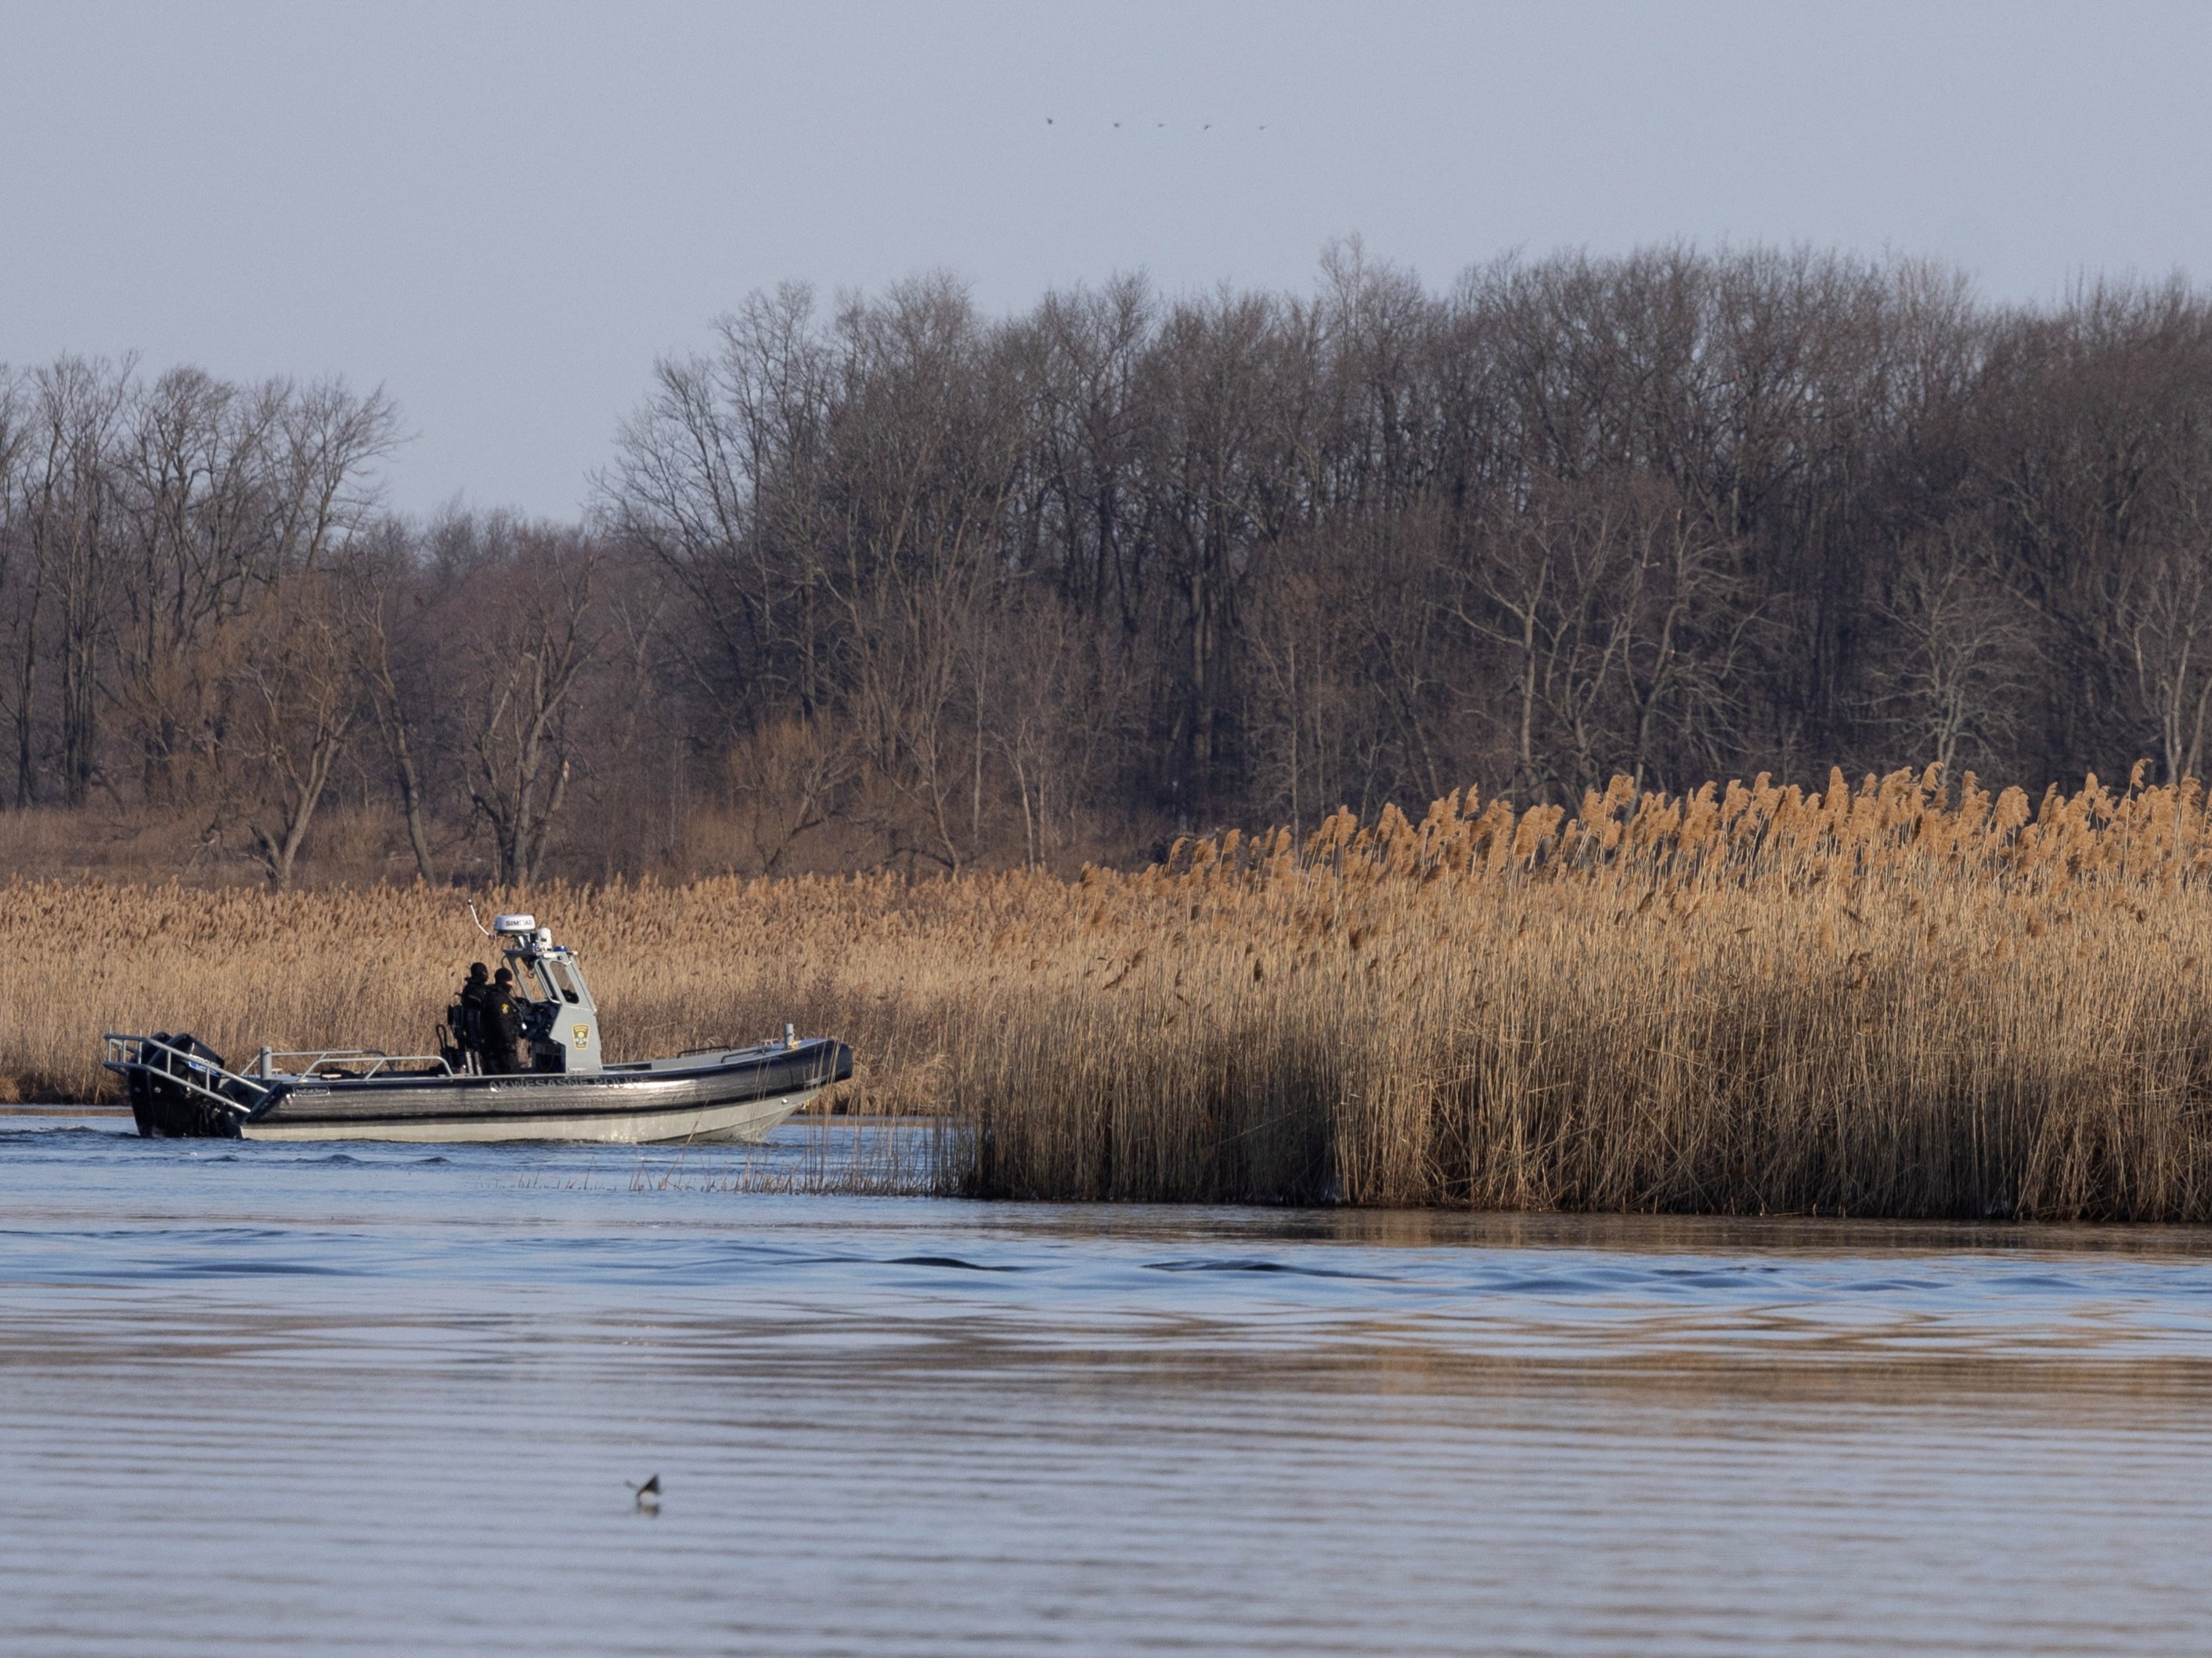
(502, 1025)
(468, 1019)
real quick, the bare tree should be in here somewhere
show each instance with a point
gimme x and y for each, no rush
(396, 635)
(1952, 687)
(193, 466)
(788, 779)
(70, 508)
(544, 635)
(296, 696)
(22, 569)
(2166, 613)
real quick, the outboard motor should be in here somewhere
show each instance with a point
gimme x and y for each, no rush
(166, 1109)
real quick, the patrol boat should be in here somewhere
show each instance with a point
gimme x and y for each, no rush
(179, 1087)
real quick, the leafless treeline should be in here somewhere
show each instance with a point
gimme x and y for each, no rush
(897, 581)
(204, 614)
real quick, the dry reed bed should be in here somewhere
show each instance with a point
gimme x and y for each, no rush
(1876, 1001)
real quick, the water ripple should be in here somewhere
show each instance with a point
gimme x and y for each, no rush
(255, 1398)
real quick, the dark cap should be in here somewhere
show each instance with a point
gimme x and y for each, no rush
(476, 971)
(503, 977)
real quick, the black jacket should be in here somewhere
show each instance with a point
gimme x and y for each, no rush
(469, 1021)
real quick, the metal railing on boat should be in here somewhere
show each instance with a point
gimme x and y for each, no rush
(127, 1053)
(185, 1067)
(376, 1058)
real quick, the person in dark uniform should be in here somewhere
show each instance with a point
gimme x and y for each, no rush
(469, 1021)
(502, 1023)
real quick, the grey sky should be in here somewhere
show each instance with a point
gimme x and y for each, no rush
(503, 212)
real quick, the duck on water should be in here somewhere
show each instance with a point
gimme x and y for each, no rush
(562, 1090)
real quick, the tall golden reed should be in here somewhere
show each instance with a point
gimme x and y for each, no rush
(1879, 1001)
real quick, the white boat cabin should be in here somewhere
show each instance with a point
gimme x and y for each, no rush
(560, 1020)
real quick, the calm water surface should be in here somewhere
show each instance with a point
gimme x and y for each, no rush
(381, 1399)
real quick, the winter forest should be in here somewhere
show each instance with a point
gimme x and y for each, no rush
(884, 582)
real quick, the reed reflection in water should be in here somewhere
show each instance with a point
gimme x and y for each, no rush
(299, 1398)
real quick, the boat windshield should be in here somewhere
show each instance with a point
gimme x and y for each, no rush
(530, 979)
(557, 971)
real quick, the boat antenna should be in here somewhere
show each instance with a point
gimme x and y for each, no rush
(481, 927)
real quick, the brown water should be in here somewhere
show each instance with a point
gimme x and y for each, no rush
(379, 1399)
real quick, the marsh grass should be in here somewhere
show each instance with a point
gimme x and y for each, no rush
(1880, 1000)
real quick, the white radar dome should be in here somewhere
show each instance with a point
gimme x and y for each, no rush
(515, 924)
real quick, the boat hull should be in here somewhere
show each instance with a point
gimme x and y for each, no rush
(735, 1121)
(741, 1095)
